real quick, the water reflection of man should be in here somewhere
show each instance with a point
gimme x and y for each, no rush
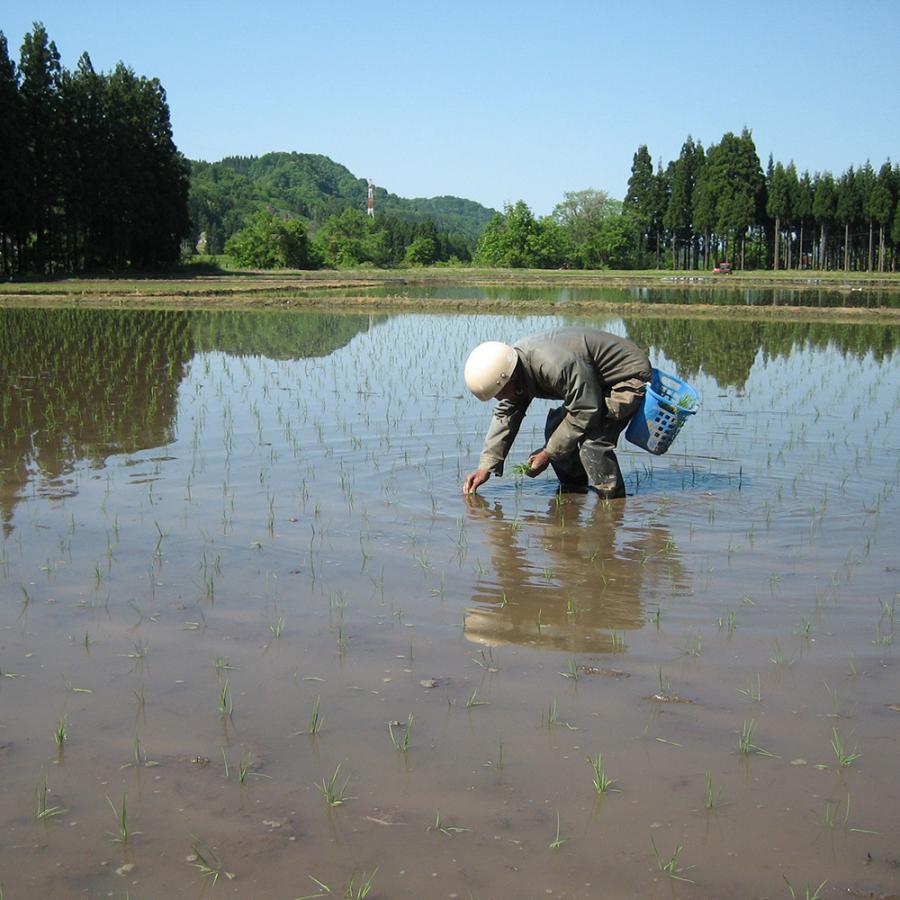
(589, 589)
(600, 378)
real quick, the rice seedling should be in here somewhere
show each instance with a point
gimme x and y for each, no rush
(209, 865)
(835, 702)
(553, 717)
(558, 841)
(316, 719)
(443, 827)
(752, 691)
(226, 701)
(277, 627)
(221, 664)
(333, 793)
(61, 732)
(473, 700)
(571, 670)
(246, 765)
(601, 782)
(745, 741)
(402, 742)
(694, 646)
(844, 758)
(487, 661)
(670, 866)
(809, 893)
(352, 891)
(663, 685)
(123, 833)
(42, 809)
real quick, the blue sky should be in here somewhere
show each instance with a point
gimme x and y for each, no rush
(501, 101)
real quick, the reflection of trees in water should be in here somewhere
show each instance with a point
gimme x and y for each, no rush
(77, 385)
(80, 385)
(277, 334)
(726, 349)
(591, 585)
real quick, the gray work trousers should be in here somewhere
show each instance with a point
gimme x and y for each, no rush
(594, 463)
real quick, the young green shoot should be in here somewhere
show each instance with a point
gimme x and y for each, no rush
(334, 793)
(571, 670)
(401, 742)
(745, 741)
(42, 810)
(209, 864)
(844, 758)
(670, 866)
(602, 784)
(122, 833)
(752, 691)
(443, 827)
(474, 701)
(809, 893)
(558, 841)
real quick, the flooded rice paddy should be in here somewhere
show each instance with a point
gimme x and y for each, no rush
(254, 642)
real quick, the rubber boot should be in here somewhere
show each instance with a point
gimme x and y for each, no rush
(599, 462)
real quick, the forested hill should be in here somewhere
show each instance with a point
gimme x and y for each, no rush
(224, 196)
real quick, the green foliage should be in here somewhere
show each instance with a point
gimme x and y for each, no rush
(515, 239)
(270, 242)
(225, 195)
(96, 181)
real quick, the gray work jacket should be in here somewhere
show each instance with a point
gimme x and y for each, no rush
(575, 365)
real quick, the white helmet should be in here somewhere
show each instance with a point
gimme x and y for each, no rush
(489, 367)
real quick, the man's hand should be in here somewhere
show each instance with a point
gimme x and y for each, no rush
(537, 462)
(474, 480)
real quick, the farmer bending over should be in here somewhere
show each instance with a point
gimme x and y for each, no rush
(600, 379)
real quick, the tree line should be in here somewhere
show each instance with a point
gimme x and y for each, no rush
(92, 179)
(278, 240)
(708, 206)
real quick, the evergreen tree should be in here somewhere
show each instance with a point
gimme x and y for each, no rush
(641, 199)
(880, 206)
(777, 205)
(13, 199)
(39, 68)
(848, 209)
(823, 210)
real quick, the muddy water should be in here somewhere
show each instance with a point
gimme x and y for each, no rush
(213, 522)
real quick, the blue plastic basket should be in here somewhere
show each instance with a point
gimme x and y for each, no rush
(668, 404)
